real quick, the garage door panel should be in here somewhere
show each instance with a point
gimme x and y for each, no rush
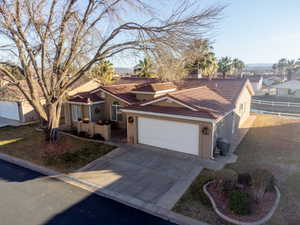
(178, 136)
(9, 110)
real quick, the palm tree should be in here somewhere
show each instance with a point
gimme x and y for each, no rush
(201, 58)
(291, 67)
(238, 65)
(225, 66)
(144, 68)
(281, 65)
(285, 66)
(103, 71)
(208, 64)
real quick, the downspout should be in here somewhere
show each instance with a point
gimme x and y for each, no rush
(212, 140)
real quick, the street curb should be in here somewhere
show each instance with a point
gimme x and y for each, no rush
(126, 200)
(237, 222)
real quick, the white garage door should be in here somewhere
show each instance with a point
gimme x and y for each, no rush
(182, 137)
(9, 110)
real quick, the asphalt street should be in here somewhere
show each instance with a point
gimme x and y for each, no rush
(29, 198)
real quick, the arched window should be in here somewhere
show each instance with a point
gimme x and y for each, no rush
(116, 114)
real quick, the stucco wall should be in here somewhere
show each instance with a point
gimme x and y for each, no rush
(107, 105)
(167, 104)
(27, 113)
(143, 97)
(205, 146)
(224, 128)
(244, 98)
(97, 112)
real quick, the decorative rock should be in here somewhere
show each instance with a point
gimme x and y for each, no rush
(233, 221)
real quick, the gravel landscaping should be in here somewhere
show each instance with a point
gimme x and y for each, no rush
(272, 143)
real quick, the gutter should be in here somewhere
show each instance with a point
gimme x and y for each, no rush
(169, 115)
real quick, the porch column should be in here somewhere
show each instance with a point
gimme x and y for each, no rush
(90, 113)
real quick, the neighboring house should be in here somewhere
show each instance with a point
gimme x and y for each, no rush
(195, 74)
(256, 81)
(288, 89)
(186, 117)
(14, 106)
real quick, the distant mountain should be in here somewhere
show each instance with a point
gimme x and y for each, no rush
(123, 70)
(259, 67)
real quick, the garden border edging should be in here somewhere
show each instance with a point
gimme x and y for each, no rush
(228, 219)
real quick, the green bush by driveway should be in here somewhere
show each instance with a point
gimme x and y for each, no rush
(273, 143)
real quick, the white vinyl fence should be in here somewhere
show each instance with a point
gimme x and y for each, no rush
(290, 115)
(284, 104)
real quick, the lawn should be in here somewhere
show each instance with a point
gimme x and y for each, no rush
(27, 143)
(272, 143)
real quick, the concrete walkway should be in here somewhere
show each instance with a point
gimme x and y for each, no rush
(152, 176)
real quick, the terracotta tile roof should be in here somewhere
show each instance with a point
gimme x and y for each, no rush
(123, 91)
(171, 110)
(229, 88)
(154, 87)
(136, 80)
(85, 97)
(204, 98)
(10, 92)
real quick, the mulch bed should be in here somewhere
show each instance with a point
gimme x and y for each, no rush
(259, 210)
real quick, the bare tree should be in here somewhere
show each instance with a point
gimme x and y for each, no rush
(53, 43)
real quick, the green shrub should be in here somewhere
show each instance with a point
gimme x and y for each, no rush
(262, 181)
(226, 179)
(240, 203)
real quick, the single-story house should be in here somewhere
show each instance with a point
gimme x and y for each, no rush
(288, 89)
(14, 106)
(186, 116)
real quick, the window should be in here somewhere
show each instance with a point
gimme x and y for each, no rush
(76, 112)
(242, 108)
(116, 114)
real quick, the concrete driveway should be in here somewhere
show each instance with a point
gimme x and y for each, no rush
(150, 175)
(7, 122)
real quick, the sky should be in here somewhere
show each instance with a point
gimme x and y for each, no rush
(255, 31)
(259, 31)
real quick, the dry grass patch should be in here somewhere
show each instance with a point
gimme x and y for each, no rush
(27, 143)
(273, 143)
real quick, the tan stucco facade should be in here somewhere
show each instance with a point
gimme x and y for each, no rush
(109, 100)
(225, 128)
(205, 140)
(101, 111)
(243, 112)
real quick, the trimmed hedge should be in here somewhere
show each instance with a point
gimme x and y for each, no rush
(240, 203)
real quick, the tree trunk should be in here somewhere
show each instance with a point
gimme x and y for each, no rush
(224, 75)
(54, 111)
